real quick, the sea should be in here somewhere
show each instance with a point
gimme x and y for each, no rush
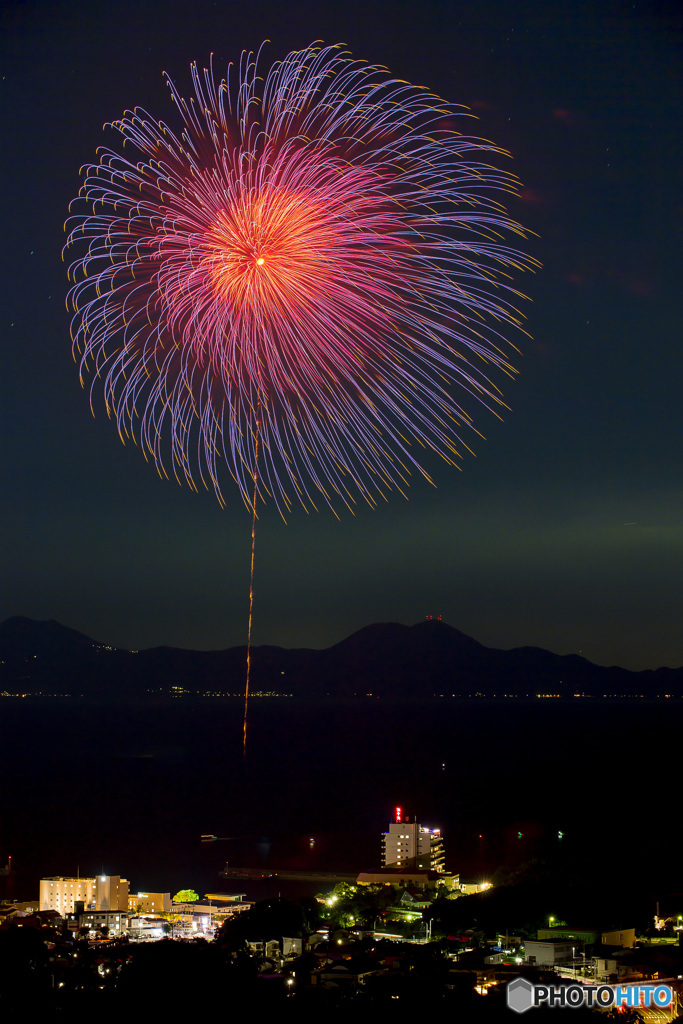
(162, 794)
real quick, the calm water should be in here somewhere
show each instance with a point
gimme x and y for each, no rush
(131, 789)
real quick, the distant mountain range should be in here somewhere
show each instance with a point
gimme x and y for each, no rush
(387, 660)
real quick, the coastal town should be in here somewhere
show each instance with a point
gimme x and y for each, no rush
(407, 931)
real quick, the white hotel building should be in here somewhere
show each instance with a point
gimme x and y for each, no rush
(105, 892)
(410, 846)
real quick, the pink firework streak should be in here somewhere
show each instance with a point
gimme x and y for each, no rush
(312, 274)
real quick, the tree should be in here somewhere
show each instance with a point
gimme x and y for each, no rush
(186, 896)
(357, 905)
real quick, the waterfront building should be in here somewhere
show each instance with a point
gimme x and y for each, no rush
(405, 878)
(111, 892)
(409, 846)
(470, 888)
(149, 903)
(61, 893)
(105, 892)
(113, 923)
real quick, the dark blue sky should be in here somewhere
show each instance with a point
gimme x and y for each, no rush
(566, 531)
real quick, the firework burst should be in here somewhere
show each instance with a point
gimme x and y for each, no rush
(312, 274)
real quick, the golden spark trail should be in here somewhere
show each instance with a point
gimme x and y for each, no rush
(251, 582)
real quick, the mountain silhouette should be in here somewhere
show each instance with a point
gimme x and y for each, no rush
(388, 660)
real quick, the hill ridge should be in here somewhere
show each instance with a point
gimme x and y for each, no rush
(384, 659)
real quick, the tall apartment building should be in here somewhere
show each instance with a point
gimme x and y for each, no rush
(105, 892)
(411, 846)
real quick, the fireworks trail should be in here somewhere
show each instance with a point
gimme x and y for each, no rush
(251, 585)
(312, 275)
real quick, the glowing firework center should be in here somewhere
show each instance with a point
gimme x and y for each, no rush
(266, 257)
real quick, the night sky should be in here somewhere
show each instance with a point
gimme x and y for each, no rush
(566, 530)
